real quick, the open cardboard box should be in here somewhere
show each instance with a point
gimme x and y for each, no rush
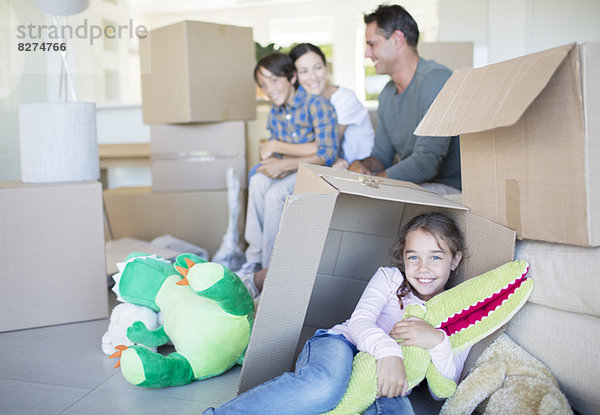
(530, 141)
(337, 229)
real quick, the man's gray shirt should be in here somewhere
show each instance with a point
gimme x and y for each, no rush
(422, 159)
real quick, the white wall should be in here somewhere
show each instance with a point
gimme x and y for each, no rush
(500, 29)
(505, 29)
(322, 21)
(16, 86)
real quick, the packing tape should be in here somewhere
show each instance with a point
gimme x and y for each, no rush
(513, 205)
(369, 181)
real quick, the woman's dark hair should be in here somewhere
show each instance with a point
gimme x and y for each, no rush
(303, 48)
(279, 64)
(390, 18)
(443, 229)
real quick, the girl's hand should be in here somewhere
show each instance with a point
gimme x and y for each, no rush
(391, 377)
(416, 332)
(274, 168)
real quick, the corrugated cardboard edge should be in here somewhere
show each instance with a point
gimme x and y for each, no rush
(288, 286)
(590, 62)
(464, 106)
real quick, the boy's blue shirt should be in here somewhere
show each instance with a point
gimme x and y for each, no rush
(308, 118)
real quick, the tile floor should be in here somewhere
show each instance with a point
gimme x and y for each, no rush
(62, 370)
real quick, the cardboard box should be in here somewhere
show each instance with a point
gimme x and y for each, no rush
(200, 218)
(197, 72)
(197, 156)
(52, 254)
(215, 138)
(334, 234)
(530, 141)
(455, 55)
(187, 173)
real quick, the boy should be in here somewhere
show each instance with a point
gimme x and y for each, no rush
(296, 122)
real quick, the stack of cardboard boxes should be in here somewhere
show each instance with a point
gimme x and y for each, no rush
(197, 91)
(530, 135)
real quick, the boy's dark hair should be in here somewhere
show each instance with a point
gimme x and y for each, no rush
(442, 227)
(303, 48)
(279, 64)
(390, 18)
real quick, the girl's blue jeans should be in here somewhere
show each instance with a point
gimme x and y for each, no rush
(317, 385)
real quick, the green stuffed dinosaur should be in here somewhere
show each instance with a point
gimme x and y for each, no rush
(467, 313)
(208, 316)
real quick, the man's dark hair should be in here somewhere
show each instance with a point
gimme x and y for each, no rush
(279, 64)
(394, 17)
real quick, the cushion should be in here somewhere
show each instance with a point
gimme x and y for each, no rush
(566, 277)
(567, 343)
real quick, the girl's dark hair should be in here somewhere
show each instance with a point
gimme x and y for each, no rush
(390, 18)
(443, 229)
(303, 48)
(279, 64)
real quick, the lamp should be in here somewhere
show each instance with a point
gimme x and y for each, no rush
(58, 139)
(61, 7)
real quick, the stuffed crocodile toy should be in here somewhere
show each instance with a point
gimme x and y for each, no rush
(467, 313)
(208, 315)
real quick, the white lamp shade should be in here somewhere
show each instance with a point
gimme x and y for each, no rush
(58, 142)
(61, 7)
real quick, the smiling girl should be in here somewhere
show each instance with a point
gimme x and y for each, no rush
(429, 249)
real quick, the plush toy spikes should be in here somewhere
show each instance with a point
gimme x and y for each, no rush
(184, 271)
(120, 348)
(181, 270)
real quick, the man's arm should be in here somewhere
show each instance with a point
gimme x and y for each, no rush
(370, 165)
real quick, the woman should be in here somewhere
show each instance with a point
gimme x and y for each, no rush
(355, 127)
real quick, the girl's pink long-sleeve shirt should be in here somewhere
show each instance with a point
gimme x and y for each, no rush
(375, 315)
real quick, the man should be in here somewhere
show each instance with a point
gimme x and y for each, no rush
(434, 162)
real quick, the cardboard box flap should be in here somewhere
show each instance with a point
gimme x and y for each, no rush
(397, 192)
(497, 95)
(590, 62)
(319, 179)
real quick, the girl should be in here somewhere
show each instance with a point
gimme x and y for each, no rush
(355, 128)
(429, 249)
